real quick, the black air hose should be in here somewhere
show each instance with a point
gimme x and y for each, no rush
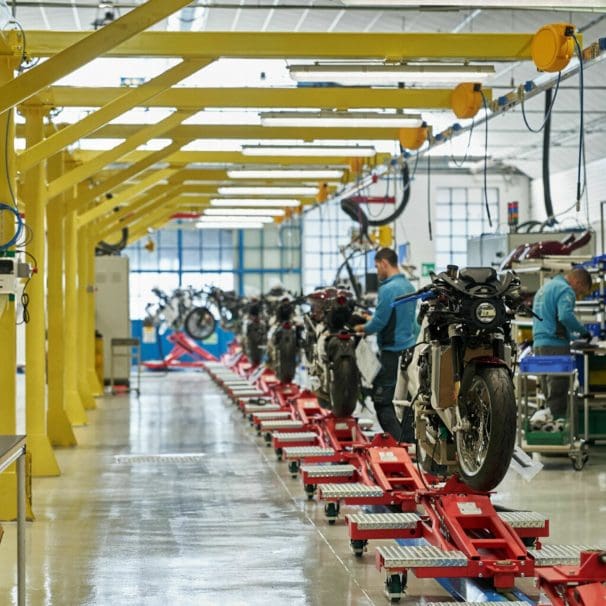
(105, 249)
(355, 212)
(546, 143)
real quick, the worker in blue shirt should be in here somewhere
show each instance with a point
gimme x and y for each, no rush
(396, 330)
(554, 304)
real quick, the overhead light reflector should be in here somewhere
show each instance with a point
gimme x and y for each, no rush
(268, 191)
(337, 151)
(229, 225)
(341, 119)
(412, 74)
(254, 202)
(285, 174)
(244, 212)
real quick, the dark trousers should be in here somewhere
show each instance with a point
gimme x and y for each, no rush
(555, 389)
(383, 390)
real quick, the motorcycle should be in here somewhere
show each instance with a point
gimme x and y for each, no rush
(330, 350)
(255, 331)
(284, 336)
(461, 374)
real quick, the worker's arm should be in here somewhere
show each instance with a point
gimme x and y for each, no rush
(380, 318)
(566, 315)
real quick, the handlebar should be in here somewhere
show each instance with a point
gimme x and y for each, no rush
(422, 294)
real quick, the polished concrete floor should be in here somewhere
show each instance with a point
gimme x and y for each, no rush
(226, 527)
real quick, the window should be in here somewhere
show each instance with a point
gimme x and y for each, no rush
(461, 214)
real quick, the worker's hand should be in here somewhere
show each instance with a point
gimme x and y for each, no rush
(359, 328)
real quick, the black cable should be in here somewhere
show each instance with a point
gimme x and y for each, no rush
(486, 158)
(547, 117)
(429, 197)
(452, 158)
(545, 163)
(24, 296)
(580, 190)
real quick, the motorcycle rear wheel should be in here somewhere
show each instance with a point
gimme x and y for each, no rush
(344, 386)
(286, 363)
(485, 449)
(199, 323)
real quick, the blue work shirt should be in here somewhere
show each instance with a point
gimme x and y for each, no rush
(396, 328)
(554, 302)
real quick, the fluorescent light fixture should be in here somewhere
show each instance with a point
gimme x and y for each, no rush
(418, 73)
(341, 119)
(244, 212)
(226, 218)
(254, 202)
(528, 4)
(285, 174)
(229, 225)
(341, 151)
(268, 191)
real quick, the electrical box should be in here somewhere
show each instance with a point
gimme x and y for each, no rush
(112, 311)
(8, 276)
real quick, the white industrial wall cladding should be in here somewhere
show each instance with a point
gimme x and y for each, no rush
(412, 225)
(564, 192)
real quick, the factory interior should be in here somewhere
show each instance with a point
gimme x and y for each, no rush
(302, 302)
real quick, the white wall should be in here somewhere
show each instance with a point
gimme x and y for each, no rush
(563, 195)
(412, 225)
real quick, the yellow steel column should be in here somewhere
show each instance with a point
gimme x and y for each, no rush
(8, 332)
(95, 385)
(44, 462)
(73, 403)
(60, 430)
(84, 283)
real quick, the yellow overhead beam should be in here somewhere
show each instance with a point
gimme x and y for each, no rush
(289, 45)
(120, 177)
(110, 110)
(125, 196)
(141, 136)
(80, 50)
(238, 158)
(184, 98)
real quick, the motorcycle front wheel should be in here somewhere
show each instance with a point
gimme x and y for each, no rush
(485, 448)
(199, 323)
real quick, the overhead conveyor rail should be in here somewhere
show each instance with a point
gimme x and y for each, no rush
(443, 529)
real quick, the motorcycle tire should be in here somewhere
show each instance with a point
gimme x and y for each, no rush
(286, 363)
(256, 339)
(484, 459)
(199, 323)
(344, 385)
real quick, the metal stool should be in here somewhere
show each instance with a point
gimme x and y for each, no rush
(117, 346)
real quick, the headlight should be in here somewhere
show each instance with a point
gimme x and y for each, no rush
(486, 313)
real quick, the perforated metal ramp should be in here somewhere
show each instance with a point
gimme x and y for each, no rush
(559, 555)
(286, 424)
(328, 471)
(396, 556)
(304, 452)
(294, 436)
(272, 415)
(384, 521)
(523, 519)
(344, 491)
(253, 408)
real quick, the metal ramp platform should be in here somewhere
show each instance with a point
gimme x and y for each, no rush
(285, 424)
(256, 408)
(272, 415)
(384, 521)
(316, 472)
(397, 557)
(478, 603)
(353, 490)
(523, 519)
(294, 436)
(559, 555)
(307, 452)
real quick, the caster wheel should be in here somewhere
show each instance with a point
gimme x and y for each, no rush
(332, 511)
(529, 541)
(310, 490)
(278, 454)
(395, 586)
(293, 468)
(267, 438)
(358, 546)
(578, 463)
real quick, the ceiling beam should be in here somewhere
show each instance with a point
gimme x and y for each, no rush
(316, 97)
(289, 45)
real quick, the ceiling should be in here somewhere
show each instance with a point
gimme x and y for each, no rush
(509, 141)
